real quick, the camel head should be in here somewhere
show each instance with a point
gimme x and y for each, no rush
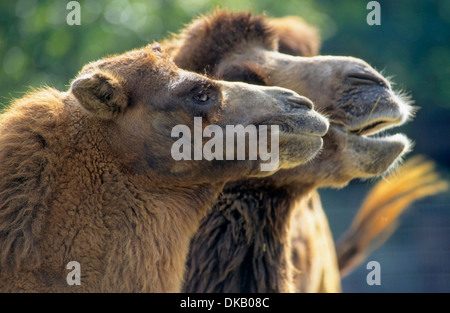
(161, 117)
(358, 101)
(363, 104)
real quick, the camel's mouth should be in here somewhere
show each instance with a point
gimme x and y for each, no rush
(395, 114)
(372, 127)
(370, 131)
(372, 155)
(300, 123)
(289, 130)
(374, 109)
(366, 134)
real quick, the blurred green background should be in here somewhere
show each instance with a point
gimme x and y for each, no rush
(412, 44)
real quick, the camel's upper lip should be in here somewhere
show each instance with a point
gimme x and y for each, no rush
(389, 110)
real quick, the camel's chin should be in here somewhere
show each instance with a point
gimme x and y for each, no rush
(377, 155)
(296, 149)
(370, 156)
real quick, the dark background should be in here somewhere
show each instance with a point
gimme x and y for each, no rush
(412, 44)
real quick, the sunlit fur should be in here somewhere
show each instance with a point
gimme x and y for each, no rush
(87, 175)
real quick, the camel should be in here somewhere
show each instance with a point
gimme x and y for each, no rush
(316, 269)
(244, 244)
(87, 174)
(377, 218)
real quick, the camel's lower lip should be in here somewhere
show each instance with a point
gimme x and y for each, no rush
(371, 155)
(398, 139)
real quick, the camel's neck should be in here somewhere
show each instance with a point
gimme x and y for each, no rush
(127, 240)
(128, 236)
(243, 244)
(152, 244)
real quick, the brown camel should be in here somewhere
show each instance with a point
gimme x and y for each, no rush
(311, 238)
(244, 244)
(88, 175)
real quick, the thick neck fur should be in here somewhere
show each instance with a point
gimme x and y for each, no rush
(63, 202)
(243, 244)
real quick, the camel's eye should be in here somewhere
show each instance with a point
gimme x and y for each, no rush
(201, 97)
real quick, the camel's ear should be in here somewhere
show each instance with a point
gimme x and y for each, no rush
(101, 93)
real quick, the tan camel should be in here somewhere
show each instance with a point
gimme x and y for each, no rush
(244, 244)
(87, 175)
(312, 242)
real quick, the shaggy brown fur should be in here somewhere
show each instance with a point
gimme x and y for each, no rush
(246, 236)
(87, 175)
(238, 250)
(313, 252)
(295, 36)
(232, 33)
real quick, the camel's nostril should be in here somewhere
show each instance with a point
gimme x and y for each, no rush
(300, 102)
(366, 79)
